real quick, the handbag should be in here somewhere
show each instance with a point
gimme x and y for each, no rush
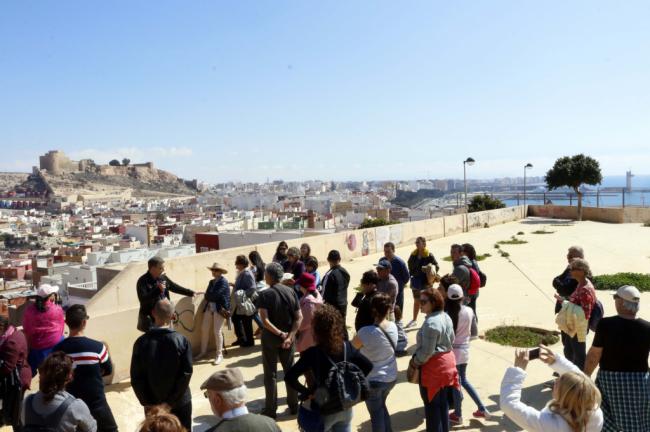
(413, 373)
(244, 304)
(309, 419)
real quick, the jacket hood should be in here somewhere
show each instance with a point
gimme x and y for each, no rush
(463, 260)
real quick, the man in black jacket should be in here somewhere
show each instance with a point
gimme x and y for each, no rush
(363, 300)
(152, 286)
(335, 284)
(161, 367)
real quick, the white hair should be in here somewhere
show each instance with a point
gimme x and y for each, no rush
(631, 307)
(234, 397)
(576, 252)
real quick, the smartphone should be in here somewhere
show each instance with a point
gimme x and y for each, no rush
(533, 354)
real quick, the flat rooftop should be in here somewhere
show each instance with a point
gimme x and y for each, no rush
(518, 291)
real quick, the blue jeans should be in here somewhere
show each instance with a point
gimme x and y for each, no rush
(338, 422)
(376, 404)
(436, 411)
(458, 395)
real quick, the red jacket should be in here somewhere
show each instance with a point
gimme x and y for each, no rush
(14, 354)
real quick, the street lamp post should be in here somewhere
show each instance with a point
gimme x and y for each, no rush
(469, 161)
(528, 165)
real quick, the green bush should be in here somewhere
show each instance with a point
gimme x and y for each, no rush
(478, 257)
(647, 224)
(371, 223)
(543, 231)
(522, 337)
(520, 233)
(484, 202)
(513, 241)
(611, 282)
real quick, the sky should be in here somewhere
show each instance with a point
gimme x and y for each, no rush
(336, 90)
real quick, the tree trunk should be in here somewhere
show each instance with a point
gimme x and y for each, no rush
(579, 204)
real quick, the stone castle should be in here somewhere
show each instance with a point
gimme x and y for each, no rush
(55, 162)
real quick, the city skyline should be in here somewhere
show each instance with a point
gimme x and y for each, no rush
(242, 92)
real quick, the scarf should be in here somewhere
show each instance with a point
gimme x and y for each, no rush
(425, 252)
(10, 331)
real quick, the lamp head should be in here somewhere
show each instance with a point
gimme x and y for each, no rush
(469, 161)
(528, 165)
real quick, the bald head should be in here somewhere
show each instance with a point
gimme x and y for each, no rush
(163, 312)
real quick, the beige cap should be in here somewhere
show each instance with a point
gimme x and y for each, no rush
(223, 380)
(629, 293)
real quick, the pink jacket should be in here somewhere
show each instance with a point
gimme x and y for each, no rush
(308, 305)
(43, 329)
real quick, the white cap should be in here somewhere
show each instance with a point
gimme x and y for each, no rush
(629, 293)
(454, 292)
(46, 290)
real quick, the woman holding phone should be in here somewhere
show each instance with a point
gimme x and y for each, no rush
(574, 407)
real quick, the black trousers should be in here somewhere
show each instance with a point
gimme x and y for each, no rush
(102, 413)
(244, 329)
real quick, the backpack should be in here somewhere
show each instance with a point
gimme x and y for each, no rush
(597, 312)
(483, 277)
(36, 422)
(345, 386)
(474, 281)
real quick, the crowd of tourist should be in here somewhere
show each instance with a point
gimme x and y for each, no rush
(300, 317)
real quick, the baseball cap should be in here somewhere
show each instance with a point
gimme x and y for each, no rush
(629, 293)
(224, 380)
(307, 281)
(384, 264)
(454, 292)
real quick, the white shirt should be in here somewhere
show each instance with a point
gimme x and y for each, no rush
(235, 412)
(529, 418)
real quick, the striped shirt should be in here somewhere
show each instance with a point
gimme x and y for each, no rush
(91, 363)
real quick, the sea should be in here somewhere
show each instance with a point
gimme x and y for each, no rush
(607, 197)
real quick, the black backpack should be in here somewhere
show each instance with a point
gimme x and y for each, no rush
(345, 386)
(483, 278)
(36, 422)
(597, 313)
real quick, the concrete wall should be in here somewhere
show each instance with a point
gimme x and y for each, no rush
(113, 310)
(609, 215)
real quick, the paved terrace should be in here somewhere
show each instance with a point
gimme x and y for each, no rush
(518, 291)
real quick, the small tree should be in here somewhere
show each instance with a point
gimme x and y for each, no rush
(114, 162)
(484, 202)
(573, 172)
(126, 161)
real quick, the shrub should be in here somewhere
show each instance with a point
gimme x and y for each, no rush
(478, 257)
(646, 224)
(497, 246)
(522, 337)
(371, 223)
(611, 282)
(543, 231)
(513, 241)
(520, 233)
(504, 253)
(484, 202)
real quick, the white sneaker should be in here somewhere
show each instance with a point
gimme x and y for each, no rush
(218, 360)
(411, 324)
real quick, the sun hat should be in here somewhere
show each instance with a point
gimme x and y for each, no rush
(216, 266)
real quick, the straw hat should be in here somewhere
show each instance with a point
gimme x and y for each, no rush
(216, 266)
